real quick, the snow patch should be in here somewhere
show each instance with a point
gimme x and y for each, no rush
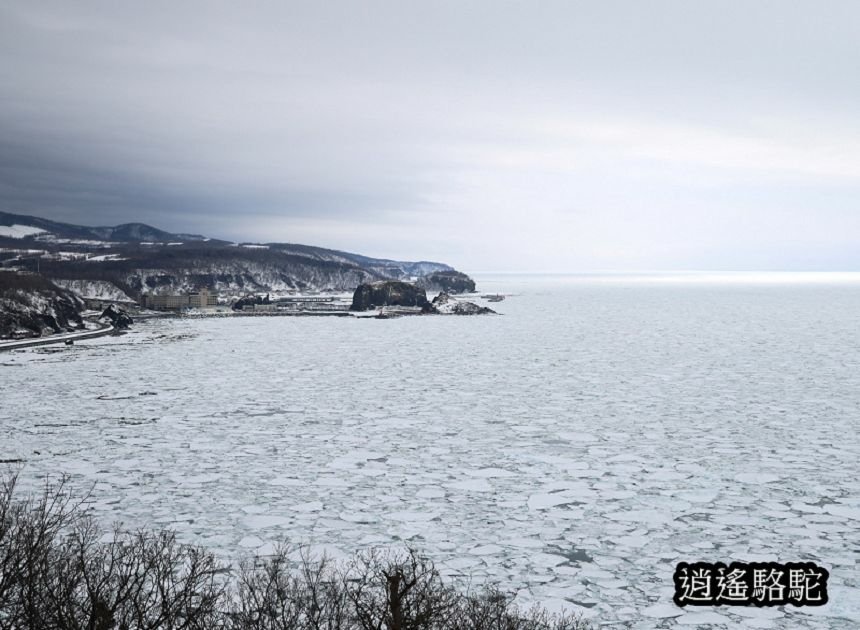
(20, 231)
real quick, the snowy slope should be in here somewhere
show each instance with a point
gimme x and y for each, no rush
(19, 231)
(139, 259)
(94, 289)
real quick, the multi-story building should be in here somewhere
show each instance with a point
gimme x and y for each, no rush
(202, 299)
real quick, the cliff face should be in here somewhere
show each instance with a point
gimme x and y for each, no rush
(391, 293)
(31, 306)
(448, 282)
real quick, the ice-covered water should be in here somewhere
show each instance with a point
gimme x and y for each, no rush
(576, 448)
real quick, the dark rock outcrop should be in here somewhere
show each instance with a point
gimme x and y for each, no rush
(32, 306)
(118, 317)
(448, 282)
(389, 293)
(444, 304)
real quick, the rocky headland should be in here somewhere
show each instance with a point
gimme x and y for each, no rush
(380, 295)
(450, 282)
(444, 304)
(126, 262)
(51, 272)
(390, 293)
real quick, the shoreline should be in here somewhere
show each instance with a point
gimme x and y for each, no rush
(385, 312)
(16, 344)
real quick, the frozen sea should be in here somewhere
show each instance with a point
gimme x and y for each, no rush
(575, 448)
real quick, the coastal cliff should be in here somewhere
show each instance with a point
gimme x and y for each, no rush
(31, 306)
(125, 262)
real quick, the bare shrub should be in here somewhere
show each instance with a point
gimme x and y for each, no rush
(59, 571)
(277, 593)
(395, 590)
(56, 572)
(376, 590)
(139, 580)
(30, 535)
(493, 609)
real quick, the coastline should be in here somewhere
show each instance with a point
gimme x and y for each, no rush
(383, 312)
(107, 329)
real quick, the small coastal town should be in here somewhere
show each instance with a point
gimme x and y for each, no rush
(99, 317)
(208, 302)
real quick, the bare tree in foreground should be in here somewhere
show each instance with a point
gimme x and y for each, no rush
(59, 571)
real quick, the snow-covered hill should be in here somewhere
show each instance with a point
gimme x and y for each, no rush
(134, 259)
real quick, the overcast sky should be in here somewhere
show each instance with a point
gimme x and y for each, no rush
(536, 136)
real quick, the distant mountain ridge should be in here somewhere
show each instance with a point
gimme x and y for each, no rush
(124, 232)
(137, 259)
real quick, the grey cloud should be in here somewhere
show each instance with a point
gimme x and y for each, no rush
(560, 131)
